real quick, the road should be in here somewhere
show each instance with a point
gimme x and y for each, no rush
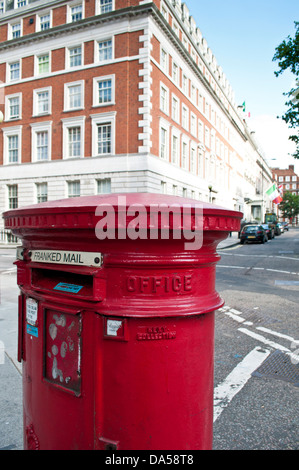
(258, 327)
(258, 323)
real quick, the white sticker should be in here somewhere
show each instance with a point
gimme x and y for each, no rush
(113, 326)
(31, 311)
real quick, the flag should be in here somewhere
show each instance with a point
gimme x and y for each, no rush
(273, 194)
(244, 107)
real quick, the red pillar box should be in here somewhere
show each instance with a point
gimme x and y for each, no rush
(116, 320)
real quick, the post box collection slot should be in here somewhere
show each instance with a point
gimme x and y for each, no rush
(60, 282)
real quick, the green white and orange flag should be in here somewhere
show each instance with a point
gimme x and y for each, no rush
(274, 194)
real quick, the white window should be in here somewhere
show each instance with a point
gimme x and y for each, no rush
(12, 196)
(163, 187)
(193, 158)
(175, 27)
(75, 12)
(175, 148)
(73, 137)
(1, 7)
(185, 117)
(104, 50)
(185, 85)
(42, 101)
(164, 99)
(21, 3)
(294, 178)
(294, 186)
(193, 127)
(164, 141)
(74, 95)
(207, 137)
(41, 141)
(280, 179)
(287, 186)
(288, 178)
(193, 93)
(13, 107)
(104, 90)
(73, 188)
(42, 64)
(103, 134)
(41, 192)
(74, 56)
(14, 71)
(12, 144)
(104, 186)
(200, 131)
(104, 6)
(44, 21)
(175, 73)
(175, 109)
(164, 60)
(15, 30)
(185, 156)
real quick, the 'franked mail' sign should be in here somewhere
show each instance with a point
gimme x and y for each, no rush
(78, 258)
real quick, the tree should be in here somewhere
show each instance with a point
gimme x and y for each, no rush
(287, 55)
(289, 205)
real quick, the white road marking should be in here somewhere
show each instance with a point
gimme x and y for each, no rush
(260, 269)
(275, 333)
(235, 381)
(272, 344)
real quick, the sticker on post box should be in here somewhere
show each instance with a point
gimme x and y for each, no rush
(113, 326)
(73, 288)
(31, 311)
(32, 330)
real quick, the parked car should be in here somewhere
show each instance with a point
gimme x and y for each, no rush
(285, 225)
(269, 231)
(280, 227)
(253, 233)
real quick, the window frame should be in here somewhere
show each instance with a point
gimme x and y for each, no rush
(8, 116)
(70, 123)
(8, 74)
(98, 8)
(101, 119)
(97, 43)
(41, 15)
(36, 92)
(10, 132)
(67, 86)
(68, 65)
(96, 91)
(44, 126)
(72, 5)
(37, 64)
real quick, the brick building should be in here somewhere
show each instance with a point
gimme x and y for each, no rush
(119, 96)
(287, 181)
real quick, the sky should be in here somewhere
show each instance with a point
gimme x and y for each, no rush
(243, 37)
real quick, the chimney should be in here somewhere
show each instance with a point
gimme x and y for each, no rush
(291, 167)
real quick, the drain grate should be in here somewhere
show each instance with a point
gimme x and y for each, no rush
(279, 366)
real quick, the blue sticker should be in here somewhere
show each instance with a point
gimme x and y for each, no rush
(68, 287)
(32, 330)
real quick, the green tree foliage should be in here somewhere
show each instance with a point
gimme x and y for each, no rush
(287, 55)
(289, 205)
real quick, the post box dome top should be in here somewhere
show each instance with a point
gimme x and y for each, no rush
(80, 212)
